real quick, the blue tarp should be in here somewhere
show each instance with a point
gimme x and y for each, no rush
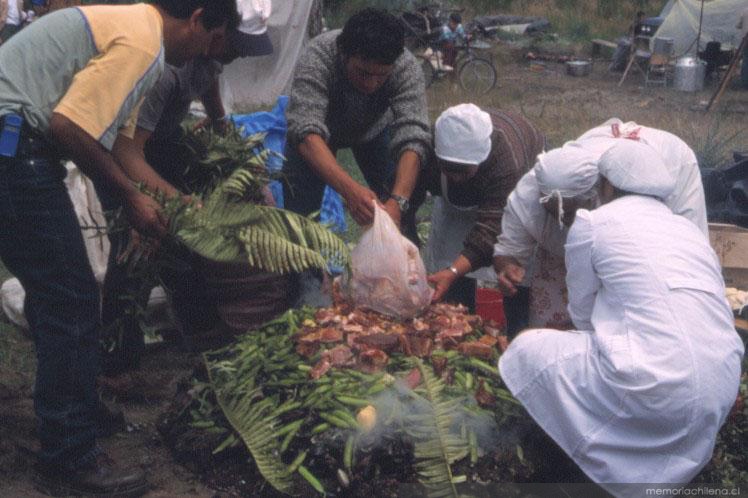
(274, 124)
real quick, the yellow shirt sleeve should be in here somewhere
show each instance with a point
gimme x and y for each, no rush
(102, 88)
(128, 129)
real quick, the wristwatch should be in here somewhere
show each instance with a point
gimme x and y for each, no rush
(402, 202)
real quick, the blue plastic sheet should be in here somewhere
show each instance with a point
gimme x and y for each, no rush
(274, 124)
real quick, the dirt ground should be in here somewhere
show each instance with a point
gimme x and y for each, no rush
(560, 105)
(139, 445)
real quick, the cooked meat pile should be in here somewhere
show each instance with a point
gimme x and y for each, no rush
(361, 339)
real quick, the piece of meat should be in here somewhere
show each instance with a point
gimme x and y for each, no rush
(413, 378)
(372, 360)
(324, 316)
(451, 336)
(483, 397)
(440, 322)
(420, 346)
(439, 363)
(327, 334)
(350, 339)
(487, 339)
(420, 325)
(503, 343)
(492, 328)
(476, 349)
(385, 342)
(320, 368)
(307, 349)
(352, 327)
(405, 345)
(339, 356)
(397, 328)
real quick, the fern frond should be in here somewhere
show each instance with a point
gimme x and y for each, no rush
(254, 420)
(436, 445)
(267, 238)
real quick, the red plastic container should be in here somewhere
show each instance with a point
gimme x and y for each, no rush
(489, 305)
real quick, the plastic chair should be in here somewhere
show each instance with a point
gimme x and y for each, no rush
(639, 58)
(658, 69)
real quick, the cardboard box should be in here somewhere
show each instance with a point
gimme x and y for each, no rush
(730, 242)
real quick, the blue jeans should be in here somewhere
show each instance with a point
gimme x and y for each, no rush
(303, 189)
(42, 245)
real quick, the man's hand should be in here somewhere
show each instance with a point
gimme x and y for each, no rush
(393, 209)
(145, 215)
(218, 125)
(442, 281)
(510, 274)
(360, 202)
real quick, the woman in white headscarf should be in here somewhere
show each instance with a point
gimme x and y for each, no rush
(639, 392)
(527, 235)
(534, 227)
(687, 198)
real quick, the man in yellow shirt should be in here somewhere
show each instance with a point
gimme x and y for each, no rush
(70, 85)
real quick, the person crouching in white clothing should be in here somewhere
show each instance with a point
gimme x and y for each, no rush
(534, 227)
(638, 393)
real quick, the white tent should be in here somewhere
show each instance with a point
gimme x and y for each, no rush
(251, 82)
(718, 23)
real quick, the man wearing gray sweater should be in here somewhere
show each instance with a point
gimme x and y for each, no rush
(358, 88)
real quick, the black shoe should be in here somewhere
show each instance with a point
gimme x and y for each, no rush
(109, 420)
(101, 477)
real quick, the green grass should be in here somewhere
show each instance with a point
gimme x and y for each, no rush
(17, 360)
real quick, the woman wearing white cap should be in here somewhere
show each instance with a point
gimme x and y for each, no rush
(633, 396)
(534, 227)
(480, 155)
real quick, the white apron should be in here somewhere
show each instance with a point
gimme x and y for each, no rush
(450, 224)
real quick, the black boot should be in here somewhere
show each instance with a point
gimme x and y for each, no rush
(100, 477)
(109, 420)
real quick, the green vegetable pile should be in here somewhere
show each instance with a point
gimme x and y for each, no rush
(263, 391)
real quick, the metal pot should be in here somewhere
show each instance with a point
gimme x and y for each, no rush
(689, 74)
(578, 68)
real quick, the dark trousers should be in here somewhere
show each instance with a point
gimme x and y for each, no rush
(7, 31)
(517, 312)
(125, 291)
(42, 245)
(303, 189)
(462, 291)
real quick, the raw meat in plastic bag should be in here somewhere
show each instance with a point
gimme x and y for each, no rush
(387, 273)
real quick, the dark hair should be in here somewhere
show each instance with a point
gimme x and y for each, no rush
(372, 34)
(216, 13)
(641, 13)
(455, 17)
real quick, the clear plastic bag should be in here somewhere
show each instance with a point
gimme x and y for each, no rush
(387, 273)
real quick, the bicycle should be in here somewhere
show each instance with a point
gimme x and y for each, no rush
(476, 74)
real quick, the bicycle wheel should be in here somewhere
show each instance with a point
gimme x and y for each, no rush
(428, 71)
(477, 76)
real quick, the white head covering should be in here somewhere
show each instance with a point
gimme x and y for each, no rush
(254, 15)
(463, 135)
(250, 38)
(569, 171)
(638, 168)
